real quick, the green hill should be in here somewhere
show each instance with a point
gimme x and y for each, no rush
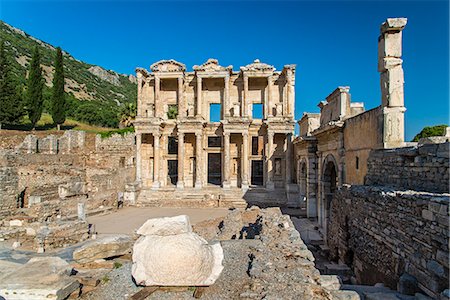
(95, 95)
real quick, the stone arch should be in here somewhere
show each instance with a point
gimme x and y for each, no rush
(329, 185)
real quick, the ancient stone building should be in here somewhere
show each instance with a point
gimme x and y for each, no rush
(334, 145)
(214, 127)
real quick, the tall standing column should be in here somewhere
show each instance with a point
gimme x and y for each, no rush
(138, 157)
(156, 160)
(392, 80)
(181, 106)
(291, 93)
(270, 184)
(244, 161)
(180, 182)
(226, 96)
(157, 110)
(245, 98)
(268, 110)
(199, 96)
(198, 160)
(288, 158)
(226, 160)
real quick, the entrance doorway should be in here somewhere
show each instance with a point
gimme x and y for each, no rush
(172, 170)
(257, 172)
(214, 168)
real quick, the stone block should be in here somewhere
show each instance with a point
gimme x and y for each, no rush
(15, 223)
(344, 295)
(32, 200)
(176, 256)
(436, 268)
(407, 284)
(48, 145)
(104, 247)
(71, 189)
(40, 278)
(330, 282)
(443, 257)
(393, 24)
(166, 226)
(428, 215)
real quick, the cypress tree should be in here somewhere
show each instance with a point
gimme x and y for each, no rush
(35, 84)
(58, 108)
(11, 106)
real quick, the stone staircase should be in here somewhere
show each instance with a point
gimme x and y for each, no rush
(211, 196)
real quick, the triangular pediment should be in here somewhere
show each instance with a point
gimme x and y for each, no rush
(168, 66)
(211, 65)
(256, 65)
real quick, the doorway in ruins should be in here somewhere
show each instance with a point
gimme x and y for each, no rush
(215, 168)
(257, 172)
(172, 171)
(329, 186)
(302, 180)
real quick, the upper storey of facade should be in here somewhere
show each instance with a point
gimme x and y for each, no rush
(213, 93)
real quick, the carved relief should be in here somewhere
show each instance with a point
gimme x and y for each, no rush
(258, 66)
(168, 66)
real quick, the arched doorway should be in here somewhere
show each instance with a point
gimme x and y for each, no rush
(303, 184)
(329, 185)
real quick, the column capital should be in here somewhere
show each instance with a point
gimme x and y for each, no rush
(270, 134)
(227, 134)
(245, 134)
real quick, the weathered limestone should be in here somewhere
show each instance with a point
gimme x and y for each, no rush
(71, 189)
(40, 278)
(168, 253)
(103, 247)
(192, 161)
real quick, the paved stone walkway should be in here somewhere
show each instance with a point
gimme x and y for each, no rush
(128, 219)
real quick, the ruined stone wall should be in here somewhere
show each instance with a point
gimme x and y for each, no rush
(46, 185)
(383, 233)
(421, 168)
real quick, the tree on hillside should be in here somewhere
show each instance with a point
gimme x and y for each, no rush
(58, 101)
(11, 105)
(437, 130)
(35, 84)
(127, 115)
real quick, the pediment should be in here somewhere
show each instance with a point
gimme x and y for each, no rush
(168, 66)
(211, 65)
(256, 65)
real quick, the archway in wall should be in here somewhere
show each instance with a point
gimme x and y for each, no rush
(329, 185)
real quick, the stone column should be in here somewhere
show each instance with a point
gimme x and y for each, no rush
(198, 160)
(269, 184)
(268, 110)
(226, 96)
(140, 79)
(157, 110)
(180, 182)
(391, 81)
(245, 98)
(181, 106)
(244, 161)
(199, 96)
(289, 110)
(163, 150)
(156, 160)
(289, 158)
(138, 157)
(226, 160)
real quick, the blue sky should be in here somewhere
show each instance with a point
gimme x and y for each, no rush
(333, 43)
